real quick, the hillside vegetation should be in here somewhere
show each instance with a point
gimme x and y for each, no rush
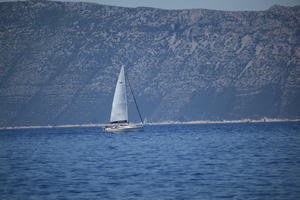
(59, 62)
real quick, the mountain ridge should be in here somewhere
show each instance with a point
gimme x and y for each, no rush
(60, 60)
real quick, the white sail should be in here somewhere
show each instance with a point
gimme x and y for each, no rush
(119, 112)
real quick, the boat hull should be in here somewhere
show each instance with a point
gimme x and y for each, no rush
(124, 128)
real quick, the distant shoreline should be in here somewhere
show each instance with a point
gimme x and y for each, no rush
(228, 121)
(264, 120)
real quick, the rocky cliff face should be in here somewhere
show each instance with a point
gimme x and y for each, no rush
(59, 62)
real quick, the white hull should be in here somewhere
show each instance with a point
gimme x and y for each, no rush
(125, 128)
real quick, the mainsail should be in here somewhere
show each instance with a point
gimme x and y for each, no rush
(119, 112)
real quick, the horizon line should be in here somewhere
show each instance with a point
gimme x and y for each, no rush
(262, 120)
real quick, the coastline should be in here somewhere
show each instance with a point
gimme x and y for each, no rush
(264, 120)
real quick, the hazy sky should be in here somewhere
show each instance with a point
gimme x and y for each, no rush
(209, 4)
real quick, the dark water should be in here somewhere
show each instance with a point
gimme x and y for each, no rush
(216, 161)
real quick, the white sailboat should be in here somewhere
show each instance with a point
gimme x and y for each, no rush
(119, 112)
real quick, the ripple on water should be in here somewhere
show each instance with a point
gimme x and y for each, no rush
(208, 161)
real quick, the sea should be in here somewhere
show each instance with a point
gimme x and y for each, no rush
(195, 161)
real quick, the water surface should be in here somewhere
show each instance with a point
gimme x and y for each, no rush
(205, 161)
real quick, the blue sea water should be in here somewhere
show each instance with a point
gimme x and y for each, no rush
(205, 161)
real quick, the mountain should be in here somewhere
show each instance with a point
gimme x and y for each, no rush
(59, 62)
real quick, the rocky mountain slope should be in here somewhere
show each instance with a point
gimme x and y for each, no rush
(59, 62)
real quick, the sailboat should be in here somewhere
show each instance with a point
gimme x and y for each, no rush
(119, 111)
